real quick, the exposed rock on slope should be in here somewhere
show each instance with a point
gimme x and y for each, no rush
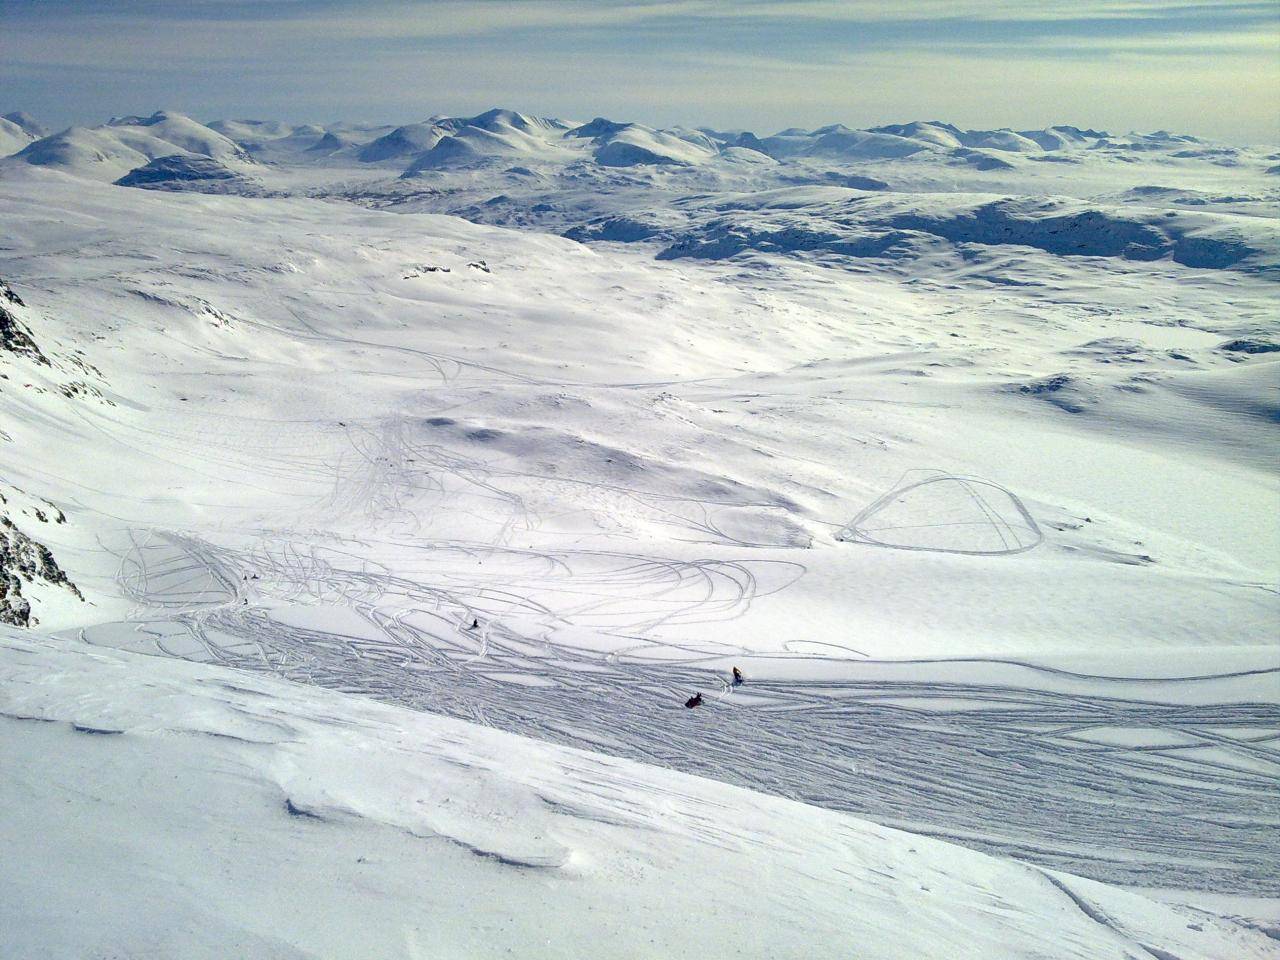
(820, 219)
(26, 122)
(24, 560)
(17, 131)
(14, 336)
(187, 173)
(12, 137)
(70, 372)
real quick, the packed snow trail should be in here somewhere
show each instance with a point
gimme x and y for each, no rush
(1094, 776)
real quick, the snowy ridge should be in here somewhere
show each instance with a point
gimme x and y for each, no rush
(123, 144)
(13, 137)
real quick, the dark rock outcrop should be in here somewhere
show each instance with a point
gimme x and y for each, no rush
(14, 335)
(180, 172)
(23, 560)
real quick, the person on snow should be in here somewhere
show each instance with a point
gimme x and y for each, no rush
(475, 624)
(737, 677)
(694, 701)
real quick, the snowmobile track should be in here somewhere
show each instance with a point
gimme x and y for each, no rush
(1109, 783)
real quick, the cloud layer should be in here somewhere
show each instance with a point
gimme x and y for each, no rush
(1203, 67)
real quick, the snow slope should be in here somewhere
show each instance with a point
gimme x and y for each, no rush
(493, 426)
(406, 141)
(12, 137)
(29, 124)
(633, 144)
(282, 821)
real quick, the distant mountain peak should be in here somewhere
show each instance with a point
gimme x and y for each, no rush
(27, 122)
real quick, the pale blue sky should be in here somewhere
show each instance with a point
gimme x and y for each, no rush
(1202, 67)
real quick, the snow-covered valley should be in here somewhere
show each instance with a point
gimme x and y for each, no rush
(961, 445)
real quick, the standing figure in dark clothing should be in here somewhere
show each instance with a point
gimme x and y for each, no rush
(737, 677)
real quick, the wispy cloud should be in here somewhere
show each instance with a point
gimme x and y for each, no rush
(739, 62)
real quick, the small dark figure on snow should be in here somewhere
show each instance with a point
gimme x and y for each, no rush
(694, 701)
(475, 624)
(737, 677)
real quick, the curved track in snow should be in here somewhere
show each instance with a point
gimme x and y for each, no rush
(1109, 783)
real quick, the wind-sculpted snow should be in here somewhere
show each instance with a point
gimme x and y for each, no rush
(286, 822)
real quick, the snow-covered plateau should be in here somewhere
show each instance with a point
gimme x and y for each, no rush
(373, 498)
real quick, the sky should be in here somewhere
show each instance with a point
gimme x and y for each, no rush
(1209, 68)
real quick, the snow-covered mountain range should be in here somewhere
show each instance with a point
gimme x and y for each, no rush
(501, 135)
